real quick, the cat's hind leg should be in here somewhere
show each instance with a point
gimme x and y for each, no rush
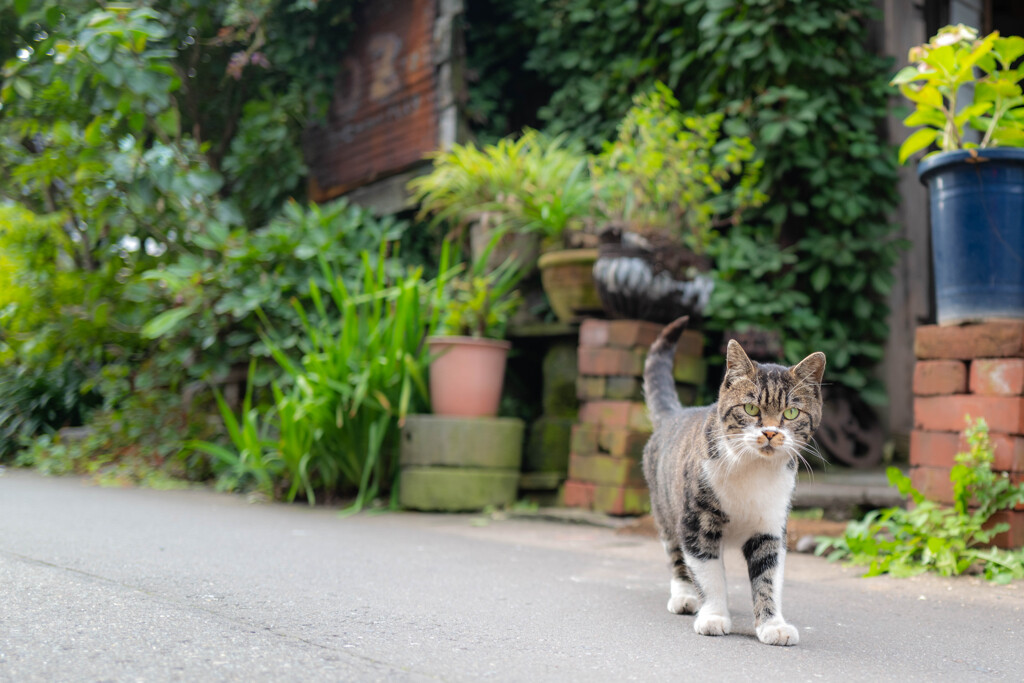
(683, 597)
(766, 555)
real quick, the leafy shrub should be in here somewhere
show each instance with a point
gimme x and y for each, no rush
(677, 172)
(933, 537)
(531, 182)
(334, 422)
(142, 441)
(211, 297)
(36, 400)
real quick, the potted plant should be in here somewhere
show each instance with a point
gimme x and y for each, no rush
(469, 352)
(664, 187)
(967, 99)
(534, 192)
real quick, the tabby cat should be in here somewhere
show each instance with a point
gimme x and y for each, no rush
(724, 473)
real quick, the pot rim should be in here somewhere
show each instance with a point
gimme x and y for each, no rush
(562, 257)
(458, 340)
(937, 162)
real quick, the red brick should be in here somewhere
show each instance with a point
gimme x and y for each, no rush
(627, 414)
(1014, 537)
(625, 388)
(948, 413)
(690, 370)
(934, 449)
(626, 334)
(1009, 452)
(938, 449)
(584, 438)
(604, 469)
(591, 387)
(607, 361)
(998, 377)
(613, 500)
(594, 332)
(629, 334)
(937, 377)
(987, 340)
(934, 483)
(578, 494)
(622, 500)
(622, 443)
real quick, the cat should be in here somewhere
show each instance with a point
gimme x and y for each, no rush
(725, 473)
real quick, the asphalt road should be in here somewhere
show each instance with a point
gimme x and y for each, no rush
(128, 584)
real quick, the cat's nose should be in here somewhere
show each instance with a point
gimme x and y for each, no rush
(769, 434)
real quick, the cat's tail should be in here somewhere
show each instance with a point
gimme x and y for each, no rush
(659, 385)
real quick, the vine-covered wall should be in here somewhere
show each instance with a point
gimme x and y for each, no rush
(814, 263)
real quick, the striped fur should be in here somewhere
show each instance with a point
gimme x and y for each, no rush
(718, 475)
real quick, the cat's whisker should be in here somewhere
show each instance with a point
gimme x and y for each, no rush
(812, 447)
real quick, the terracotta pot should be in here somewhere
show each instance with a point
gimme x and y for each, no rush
(467, 375)
(568, 279)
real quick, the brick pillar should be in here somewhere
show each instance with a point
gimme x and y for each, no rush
(975, 370)
(608, 440)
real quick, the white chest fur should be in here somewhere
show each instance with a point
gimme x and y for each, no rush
(753, 492)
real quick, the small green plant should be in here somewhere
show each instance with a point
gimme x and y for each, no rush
(955, 59)
(254, 459)
(479, 303)
(529, 183)
(933, 537)
(676, 172)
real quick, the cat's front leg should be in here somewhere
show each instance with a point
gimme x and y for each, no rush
(766, 556)
(708, 575)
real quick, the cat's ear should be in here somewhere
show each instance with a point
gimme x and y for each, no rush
(737, 364)
(810, 369)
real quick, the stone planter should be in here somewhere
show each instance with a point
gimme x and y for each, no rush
(457, 464)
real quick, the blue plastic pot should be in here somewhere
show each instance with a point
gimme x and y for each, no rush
(977, 219)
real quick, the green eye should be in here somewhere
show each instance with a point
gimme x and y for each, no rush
(791, 413)
(751, 409)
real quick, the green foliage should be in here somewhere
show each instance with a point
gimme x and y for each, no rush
(479, 302)
(211, 297)
(36, 400)
(940, 70)
(799, 80)
(932, 537)
(532, 182)
(139, 442)
(675, 172)
(334, 422)
(594, 56)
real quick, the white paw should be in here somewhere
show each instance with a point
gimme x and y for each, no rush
(778, 634)
(683, 604)
(712, 624)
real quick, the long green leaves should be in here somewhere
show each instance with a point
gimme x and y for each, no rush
(336, 422)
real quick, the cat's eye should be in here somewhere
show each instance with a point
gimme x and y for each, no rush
(791, 413)
(751, 409)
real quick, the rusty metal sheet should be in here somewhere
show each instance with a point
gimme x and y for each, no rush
(383, 117)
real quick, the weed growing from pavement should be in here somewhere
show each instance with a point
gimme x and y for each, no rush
(935, 537)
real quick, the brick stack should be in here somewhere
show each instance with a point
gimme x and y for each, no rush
(608, 440)
(975, 370)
